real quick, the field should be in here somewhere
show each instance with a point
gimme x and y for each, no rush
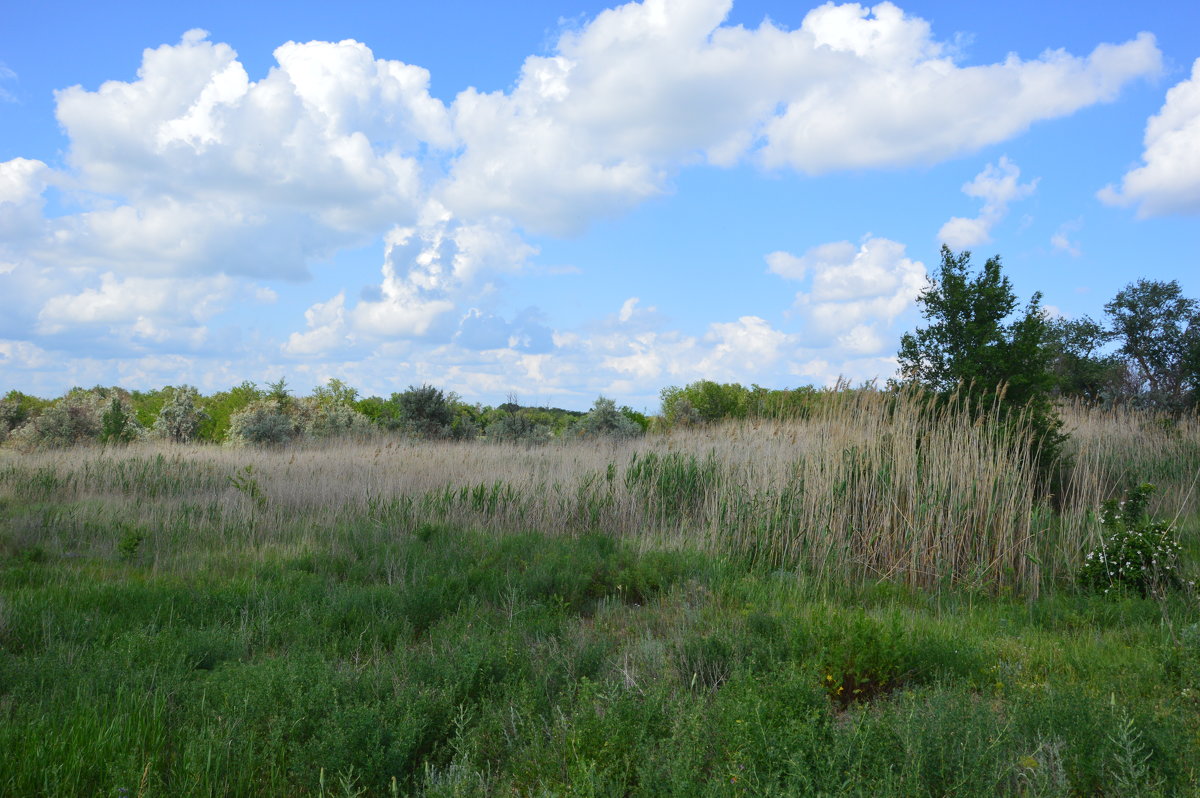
(865, 601)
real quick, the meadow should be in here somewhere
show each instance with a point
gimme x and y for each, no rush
(873, 599)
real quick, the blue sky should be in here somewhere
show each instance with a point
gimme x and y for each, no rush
(563, 199)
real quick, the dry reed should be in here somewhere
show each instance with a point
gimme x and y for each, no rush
(872, 485)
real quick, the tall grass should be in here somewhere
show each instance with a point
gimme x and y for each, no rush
(871, 485)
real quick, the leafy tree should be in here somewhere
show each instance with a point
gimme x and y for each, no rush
(425, 411)
(263, 423)
(117, 424)
(1080, 368)
(1159, 331)
(704, 401)
(518, 426)
(976, 340)
(180, 418)
(335, 392)
(17, 408)
(221, 408)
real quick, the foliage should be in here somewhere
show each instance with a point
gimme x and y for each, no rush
(519, 426)
(118, 425)
(17, 408)
(73, 419)
(262, 423)
(424, 412)
(604, 420)
(971, 343)
(705, 402)
(1138, 553)
(1079, 368)
(1159, 330)
(329, 419)
(221, 408)
(181, 417)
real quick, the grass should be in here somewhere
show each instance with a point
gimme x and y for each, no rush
(460, 663)
(857, 604)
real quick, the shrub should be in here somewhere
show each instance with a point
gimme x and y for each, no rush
(263, 423)
(604, 420)
(518, 427)
(1139, 553)
(179, 419)
(426, 411)
(73, 419)
(118, 424)
(330, 419)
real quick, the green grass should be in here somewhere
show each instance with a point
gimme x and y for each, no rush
(442, 661)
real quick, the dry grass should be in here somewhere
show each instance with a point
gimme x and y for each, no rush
(869, 487)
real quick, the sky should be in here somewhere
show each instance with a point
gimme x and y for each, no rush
(560, 199)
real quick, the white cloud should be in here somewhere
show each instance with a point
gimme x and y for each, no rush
(854, 292)
(145, 307)
(646, 88)
(431, 265)
(1169, 180)
(195, 176)
(215, 172)
(326, 329)
(997, 185)
(6, 75)
(1061, 240)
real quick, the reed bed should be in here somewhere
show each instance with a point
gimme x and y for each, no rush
(871, 486)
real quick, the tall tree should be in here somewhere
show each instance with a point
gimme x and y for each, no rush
(1080, 366)
(1159, 331)
(977, 340)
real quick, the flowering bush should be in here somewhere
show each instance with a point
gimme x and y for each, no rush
(1137, 553)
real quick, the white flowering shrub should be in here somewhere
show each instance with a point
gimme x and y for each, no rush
(1137, 552)
(319, 420)
(73, 419)
(181, 417)
(263, 423)
(604, 420)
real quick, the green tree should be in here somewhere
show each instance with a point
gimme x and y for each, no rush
(1159, 331)
(977, 340)
(117, 424)
(425, 411)
(1081, 369)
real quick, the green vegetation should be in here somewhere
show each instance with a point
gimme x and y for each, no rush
(978, 582)
(865, 601)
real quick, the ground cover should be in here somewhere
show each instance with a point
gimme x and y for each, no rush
(679, 615)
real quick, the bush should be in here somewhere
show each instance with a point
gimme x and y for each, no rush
(263, 423)
(118, 424)
(518, 427)
(179, 419)
(604, 420)
(330, 419)
(425, 412)
(73, 419)
(1139, 553)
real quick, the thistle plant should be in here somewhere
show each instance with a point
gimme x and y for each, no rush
(1137, 553)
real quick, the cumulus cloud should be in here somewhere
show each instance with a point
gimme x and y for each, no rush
(648, 87)
(853, 292)
(429, 266)
(217, 172)
(143, 311)
(196, 176)
(997, 185)
(1169, 179)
